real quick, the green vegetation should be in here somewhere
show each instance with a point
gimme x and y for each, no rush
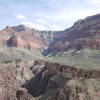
(86, 58)
(8, 54)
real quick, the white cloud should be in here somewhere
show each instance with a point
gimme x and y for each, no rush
(96, 3)
(41, 27)
(32, 25)
(56, 27)
(19, 16)
(41, 21)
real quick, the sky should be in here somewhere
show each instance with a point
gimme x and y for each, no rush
(46, 14)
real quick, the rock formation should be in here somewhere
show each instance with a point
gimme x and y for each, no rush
(40, 80)
(12, 42)
(84, 33)
(21, 36)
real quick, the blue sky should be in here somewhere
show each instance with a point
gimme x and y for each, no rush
(46, 14)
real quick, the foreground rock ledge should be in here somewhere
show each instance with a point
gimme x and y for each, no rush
(42, 80)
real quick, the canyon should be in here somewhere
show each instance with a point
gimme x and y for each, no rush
(51, 65)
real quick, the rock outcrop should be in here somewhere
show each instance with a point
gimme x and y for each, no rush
(21, 36)
(84, 33)
(68, 71)
(11, 78)
(12, 42)
(62, 82)
(40, 80)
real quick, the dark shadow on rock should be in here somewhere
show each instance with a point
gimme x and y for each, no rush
(37, 85)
